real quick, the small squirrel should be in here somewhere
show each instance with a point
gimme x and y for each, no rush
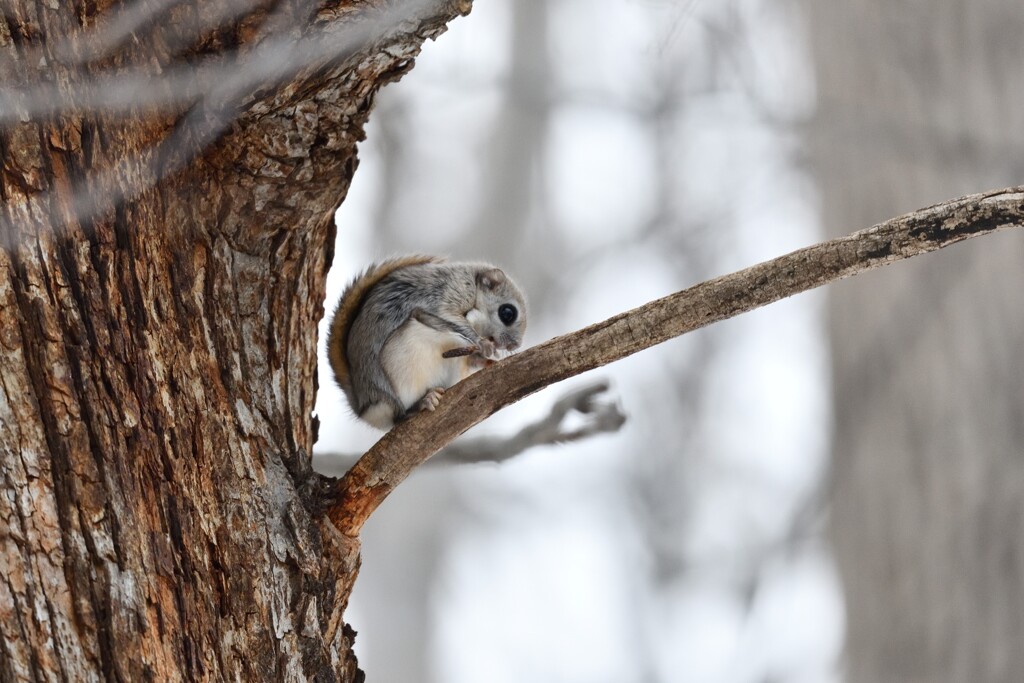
(408, 328)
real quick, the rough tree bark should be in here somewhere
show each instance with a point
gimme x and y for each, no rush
(161, 277)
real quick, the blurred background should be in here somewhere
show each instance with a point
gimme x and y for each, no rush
(828, 489)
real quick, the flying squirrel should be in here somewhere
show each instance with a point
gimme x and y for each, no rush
(408, 328)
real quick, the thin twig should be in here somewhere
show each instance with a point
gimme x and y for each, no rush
(598, 416)
(410, 443)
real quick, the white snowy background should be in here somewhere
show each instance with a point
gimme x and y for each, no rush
(605, 153)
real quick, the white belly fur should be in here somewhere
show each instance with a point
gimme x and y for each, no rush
(412, 361)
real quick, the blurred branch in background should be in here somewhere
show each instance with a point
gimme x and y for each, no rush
(594, 414)
(264, 55)
(597, 417)
(189, 93)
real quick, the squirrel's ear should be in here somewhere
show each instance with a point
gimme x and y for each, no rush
(490, 278)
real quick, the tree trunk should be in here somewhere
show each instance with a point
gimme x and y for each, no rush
(162, 267)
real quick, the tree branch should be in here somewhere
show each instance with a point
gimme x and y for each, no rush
(410, 443)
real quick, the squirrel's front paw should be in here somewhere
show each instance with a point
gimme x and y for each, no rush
(487, 349)
(431, 399)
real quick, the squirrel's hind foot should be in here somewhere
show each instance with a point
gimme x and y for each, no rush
(431, 399)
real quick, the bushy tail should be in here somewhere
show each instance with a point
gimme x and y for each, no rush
(348, 308)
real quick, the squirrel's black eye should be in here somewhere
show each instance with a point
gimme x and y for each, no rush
(507, 313)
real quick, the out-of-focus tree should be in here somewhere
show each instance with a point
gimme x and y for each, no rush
(920, 101)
